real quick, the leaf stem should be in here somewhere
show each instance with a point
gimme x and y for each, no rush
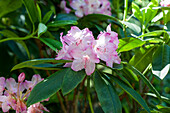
(125, 15)
(88, 94)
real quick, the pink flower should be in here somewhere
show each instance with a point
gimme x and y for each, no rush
(85, 7)
(14, 97)
(84, 59)
(7, 103)
(21, 77)
(35, 80)
(2, 85)
(77, 46)
(37, 108)
(63, 6)
(165, 3)
(106, 45)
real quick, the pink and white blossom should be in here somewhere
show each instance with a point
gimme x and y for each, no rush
(63, 6)
(106, 45)
(165, 3)
(81, 47)
(85, 7)
(14, 98)
(2, 85)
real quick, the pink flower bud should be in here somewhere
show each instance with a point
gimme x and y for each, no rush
(21, 77)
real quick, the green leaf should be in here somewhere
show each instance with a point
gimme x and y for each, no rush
(129, 43)
(42, 28)
(8, 33)
(34, 62)
(107, 96)
(161, 61)
(47, 87)
(62, 23)
(131, 92)
(103, 87)
(71, 80)
(39, 12)
(97, 17)
(136, 11)
(165, 99)
(31, 9)
(133, 27)
(53, 44)
(47, 17)
(154, 33)
(142, 58)
(7, 6)
(146, 81)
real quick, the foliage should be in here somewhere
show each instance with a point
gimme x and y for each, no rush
(30, 40)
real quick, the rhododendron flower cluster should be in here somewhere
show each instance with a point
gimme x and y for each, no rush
(12, 94)
(165, 3)
(85, 7)
(81, 47)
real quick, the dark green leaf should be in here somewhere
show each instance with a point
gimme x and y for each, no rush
(7, 6)
(47, 17)
(62, 23)
(107, 95)
(53, 44)
(8, 33)
(129, 43)
(47, 87)
(71, 80)
(142, 58)
(42, 28)
(135, 28)
(34, 62)
(161, 61)
(97, 17)
(31, 9)
(131, 92)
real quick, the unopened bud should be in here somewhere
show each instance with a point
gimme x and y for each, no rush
(21, 77)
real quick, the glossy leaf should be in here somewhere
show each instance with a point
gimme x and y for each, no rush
(154, 33)
(47, 17)
(129, 43)
(142, 58)
(161, 61)
(71, 80)
(107, 96)
(42, 28)
(131, 92)
(53, 44)
(136, 11)
(34, 62)
(31, 9)
(135, 28)
(47, 87)
(62, 23)
(7, 6)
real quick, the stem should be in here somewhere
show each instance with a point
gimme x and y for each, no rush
(125, 15)
(18, 38)
(61, 102)
(88, 94)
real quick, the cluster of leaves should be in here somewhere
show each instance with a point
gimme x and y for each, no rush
(29, 42)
